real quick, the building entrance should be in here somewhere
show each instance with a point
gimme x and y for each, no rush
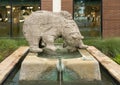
(87, 14)
(12, 15)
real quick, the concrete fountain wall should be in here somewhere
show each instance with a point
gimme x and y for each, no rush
(34, 68)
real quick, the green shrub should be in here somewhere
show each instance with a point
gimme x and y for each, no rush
(59, 40)
(7, 46)
(117, 59)
(110, 47)
(21, 42)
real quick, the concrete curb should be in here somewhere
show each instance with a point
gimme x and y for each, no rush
(112, 67)
(9, 63)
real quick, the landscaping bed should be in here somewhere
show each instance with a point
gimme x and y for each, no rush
(110, 47)
(8, 46)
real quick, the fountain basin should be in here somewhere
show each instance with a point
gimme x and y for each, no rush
(40, 68)
(107, 78)
(87, 70)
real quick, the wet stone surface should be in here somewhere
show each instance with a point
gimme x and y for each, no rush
(60, 53)
(14, 80)
(69, 77)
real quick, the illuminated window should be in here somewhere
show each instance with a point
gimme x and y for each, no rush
(11, 25)
(87, 14)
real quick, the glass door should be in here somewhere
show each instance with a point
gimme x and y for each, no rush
(19, 14)
(12, 15)
(4, 21)
(87, 14)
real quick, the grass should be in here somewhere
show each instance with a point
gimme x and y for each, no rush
(110, 47)
(117, 59)
(7, 46)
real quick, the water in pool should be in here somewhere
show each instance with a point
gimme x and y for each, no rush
(13, 79)
(69, 77)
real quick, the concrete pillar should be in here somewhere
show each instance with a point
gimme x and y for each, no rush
(46, 5)
(56, 5)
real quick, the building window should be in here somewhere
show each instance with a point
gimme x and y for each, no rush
(87, 14)
(12, 15)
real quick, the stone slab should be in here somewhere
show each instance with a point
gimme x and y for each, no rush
(7, 65)
(112, 67)
(33, 67)
(86, 67)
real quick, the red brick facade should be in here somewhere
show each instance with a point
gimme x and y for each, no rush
(46, 5)
(111, 18)
(68, 6)
(110, 15)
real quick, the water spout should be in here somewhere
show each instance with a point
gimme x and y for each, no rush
(60, 69)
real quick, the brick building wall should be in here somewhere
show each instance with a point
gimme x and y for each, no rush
(67, 5)
(110, 14)
(111, 18)
(46, 5)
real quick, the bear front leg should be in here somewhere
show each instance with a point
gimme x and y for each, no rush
(34, 44)
(49, 41)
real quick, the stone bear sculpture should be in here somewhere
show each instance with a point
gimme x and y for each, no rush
(41, 28)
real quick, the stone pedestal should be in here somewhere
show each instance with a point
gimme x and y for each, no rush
(85, 69)
(36, 68)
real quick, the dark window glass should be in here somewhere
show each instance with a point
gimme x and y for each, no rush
(20, 11)
(19, 0)
(4, 22)
(87, 14)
